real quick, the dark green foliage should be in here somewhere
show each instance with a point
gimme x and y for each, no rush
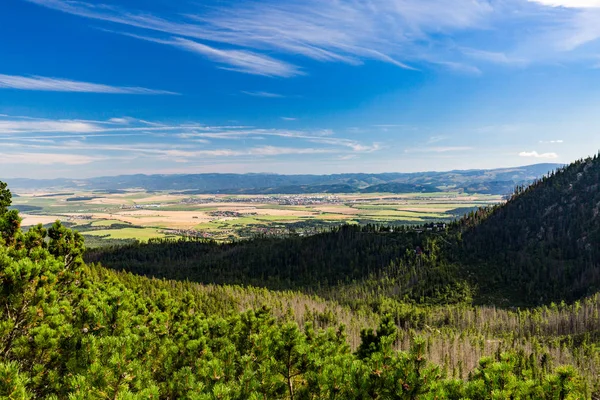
(371, 343)
(5, 198)
(379, 258)
(70, 330)
(344, 254)
(106, 338)
(26, 208)
(544, 244)
(10, 224)
(81, 198)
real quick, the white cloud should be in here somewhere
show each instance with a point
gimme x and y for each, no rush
(460, 67)
(123, 120)
(570, 3)
(289, 118)
(278, 151)
(552, 141)
(439, 149)
(250, 36)
(122, 127)
(241, 60)
(42, 141)
(559, 33)
(37, 126)
(345, 31)
(435, 139)
(263, 94)
(492, 57)
(65, 85)
(535, 154)
(46, 159)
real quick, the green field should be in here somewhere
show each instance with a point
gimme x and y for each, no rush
(140, 215)
(141, 234)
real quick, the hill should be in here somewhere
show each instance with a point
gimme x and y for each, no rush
(541, 246)
(544, 243)
(495, 181)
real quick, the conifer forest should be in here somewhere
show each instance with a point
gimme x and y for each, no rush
(503, 303)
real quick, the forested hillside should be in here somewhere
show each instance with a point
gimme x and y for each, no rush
(70, 330)
(544, 244)
(340, 256)
(541, 246)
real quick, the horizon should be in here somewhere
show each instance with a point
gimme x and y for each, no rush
(558, 165)
(304, 87)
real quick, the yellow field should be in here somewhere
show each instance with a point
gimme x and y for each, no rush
(140, 215)
(30, 220)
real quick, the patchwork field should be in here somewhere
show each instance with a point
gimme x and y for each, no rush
(137, 215)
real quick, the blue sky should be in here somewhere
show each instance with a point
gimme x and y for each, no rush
(297, 86)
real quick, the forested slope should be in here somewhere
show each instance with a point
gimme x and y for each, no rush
(344, 254)
(543, 245)
(69, 330)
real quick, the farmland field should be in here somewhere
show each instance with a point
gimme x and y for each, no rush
(139, 215)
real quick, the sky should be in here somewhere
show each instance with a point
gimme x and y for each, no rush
(106, 87)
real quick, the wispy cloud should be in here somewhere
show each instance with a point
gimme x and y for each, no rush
(436, 139)
(244, 61)
(493, 57)
(123, 127)
(460, 67)
(241, 60)
(255, 37)
(46, 158)
(77, 142)
(535, 154)
(352, 144)
(37, 126)
(65, 85)
(439, 149)
(263, 94)
(561, 32)
(345, 31)
(552, 141)
(570, 3)
(289, 118)
(277, 151)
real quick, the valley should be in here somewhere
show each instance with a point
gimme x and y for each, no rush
(299, 200)
(410, 296)
(140, 215)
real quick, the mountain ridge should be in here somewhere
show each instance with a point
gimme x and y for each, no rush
(487, 181)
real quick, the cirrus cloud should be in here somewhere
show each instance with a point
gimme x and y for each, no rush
(569, 3)
(46, 84)
(46, 159)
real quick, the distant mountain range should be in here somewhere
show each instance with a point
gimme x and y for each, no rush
(493, 181)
